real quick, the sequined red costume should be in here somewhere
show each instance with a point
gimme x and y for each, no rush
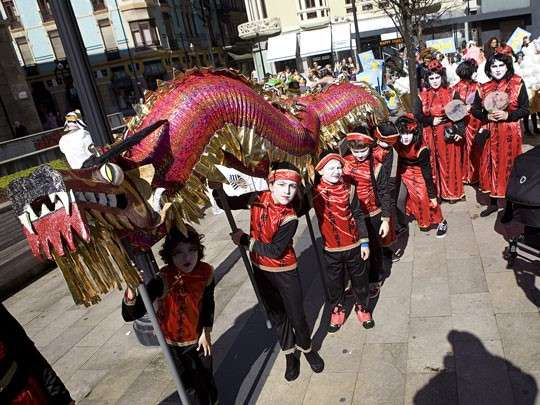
(505, 137)
(415, 173)
(466, 91)
(266, 219)
(362, 175)
(445, 157)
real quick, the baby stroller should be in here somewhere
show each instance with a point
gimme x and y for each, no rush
(523, 205)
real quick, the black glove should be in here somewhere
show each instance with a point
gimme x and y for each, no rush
(481, 138)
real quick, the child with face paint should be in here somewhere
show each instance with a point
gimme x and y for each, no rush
(445, 155)
(415, 173)
(503, 127)
(270, 242)
(376, 200)
(185, 293)
(466, 90)
(345, 241)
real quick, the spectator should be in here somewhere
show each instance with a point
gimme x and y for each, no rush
(490, 47)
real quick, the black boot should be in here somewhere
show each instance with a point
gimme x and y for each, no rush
(292, 370)
(491, 208)
(315, 361)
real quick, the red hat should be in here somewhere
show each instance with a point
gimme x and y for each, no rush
(327, 156)
(360, 137)
(407, 123)
(284, 174)
(386, 132)
(435, 66)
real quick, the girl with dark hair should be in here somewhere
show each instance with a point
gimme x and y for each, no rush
(415, 173)
(490, 46)
(441, 136)
(184, 289)
(499, 104)
(466, 89)
(273, 224)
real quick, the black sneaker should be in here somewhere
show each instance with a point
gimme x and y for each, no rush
(489, 210)
(442, 229)
(292, 370)
(315, 361)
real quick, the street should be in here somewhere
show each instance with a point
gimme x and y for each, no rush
(453, 326)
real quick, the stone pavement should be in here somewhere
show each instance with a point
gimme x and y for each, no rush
(453, 326)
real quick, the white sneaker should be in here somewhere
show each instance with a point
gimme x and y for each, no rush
(442, 229)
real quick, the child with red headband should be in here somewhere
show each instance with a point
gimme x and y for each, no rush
(345, 241)
(376, 199)
(415, 173)
(270, 242)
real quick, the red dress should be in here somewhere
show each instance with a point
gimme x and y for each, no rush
(470, 158)
(504, 142)
(418, 202)
(445, 157)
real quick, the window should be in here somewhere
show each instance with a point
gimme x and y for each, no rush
(383, 4)
(367, 7)
(144, 33)
(169, 29)
(98, 5)
(25, 51)
(107, 35)
(45, 10)
(11, 14)
(56, 43)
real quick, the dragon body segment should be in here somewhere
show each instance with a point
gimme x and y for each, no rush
(213, 117)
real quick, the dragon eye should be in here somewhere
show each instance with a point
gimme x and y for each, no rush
(112, 173)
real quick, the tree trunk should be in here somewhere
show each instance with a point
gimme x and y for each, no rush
(411, 59)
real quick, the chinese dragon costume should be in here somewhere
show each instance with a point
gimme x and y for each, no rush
(141, 185)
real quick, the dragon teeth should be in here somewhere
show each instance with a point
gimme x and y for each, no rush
(112, 200)
(103, 199)
(44, 211)
(64, 199)
(31, 214)
(80, 196)
(90, 197)
(26, 222)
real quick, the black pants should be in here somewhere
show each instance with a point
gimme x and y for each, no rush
(283, 299)
(341, 266)
(380, 258)
(195, 371)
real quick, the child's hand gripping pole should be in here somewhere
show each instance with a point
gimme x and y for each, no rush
(247, 263)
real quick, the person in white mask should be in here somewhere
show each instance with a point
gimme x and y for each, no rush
(415, 173)
(499, 104)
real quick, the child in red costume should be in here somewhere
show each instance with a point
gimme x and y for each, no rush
(345, 241)
(415, 173)
(376, 199)
(185, 293)
(270, 242)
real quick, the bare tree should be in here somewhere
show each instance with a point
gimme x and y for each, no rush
(410, 18)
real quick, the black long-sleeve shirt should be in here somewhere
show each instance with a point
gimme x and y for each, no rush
(521, 111)
(385, 184)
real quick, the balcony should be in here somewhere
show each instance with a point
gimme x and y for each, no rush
(314, 17)
(14, 22)
(260, 28)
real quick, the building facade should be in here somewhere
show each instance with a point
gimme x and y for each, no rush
(323, 31)
(130, 44)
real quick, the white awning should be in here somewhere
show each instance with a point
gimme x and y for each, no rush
(372, 24)
(315, 42)
(341, 37)
(281, 47)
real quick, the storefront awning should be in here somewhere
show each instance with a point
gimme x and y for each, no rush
(281, 47)
(341, 37)
(371, 24)
(315, 42)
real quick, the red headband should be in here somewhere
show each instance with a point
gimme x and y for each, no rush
(326, 159)
(435, 66)
(410, 126)
(360, 137)
(390, 139)
(284, 174)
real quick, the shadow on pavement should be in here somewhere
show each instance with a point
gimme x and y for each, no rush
(482, 377)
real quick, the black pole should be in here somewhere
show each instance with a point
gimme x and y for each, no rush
(245, 259)
(82, 73)
(262, 59)
(356, 33)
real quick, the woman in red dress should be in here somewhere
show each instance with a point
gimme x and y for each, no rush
(500, 126)
(441, 136)
(415, 173)
(466, 89)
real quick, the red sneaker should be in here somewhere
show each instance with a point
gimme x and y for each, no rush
(337, 319)
(364, 317)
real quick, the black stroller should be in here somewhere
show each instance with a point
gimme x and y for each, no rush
(523, 205)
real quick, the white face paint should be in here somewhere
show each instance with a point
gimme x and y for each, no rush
(435, 80)
(360, 153)
(332, 171)
(283, 191)
(498, 69)
(474, 76)
(406, 139)
(184, 256)
(383, 144)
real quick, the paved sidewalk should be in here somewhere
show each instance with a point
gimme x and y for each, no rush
(453, 326)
